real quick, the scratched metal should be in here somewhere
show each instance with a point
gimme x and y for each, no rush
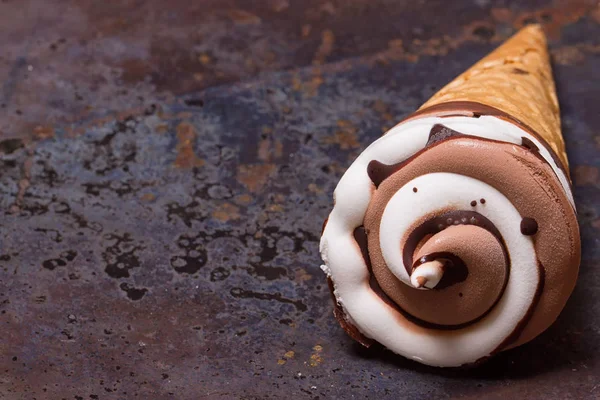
(165, 169)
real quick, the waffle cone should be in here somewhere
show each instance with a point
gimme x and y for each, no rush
(516, 79)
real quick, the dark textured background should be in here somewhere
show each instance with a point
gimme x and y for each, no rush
(166, 167)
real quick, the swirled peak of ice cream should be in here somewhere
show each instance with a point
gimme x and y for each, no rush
(454, 236)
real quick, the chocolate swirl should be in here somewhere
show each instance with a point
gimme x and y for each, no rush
(452, 238)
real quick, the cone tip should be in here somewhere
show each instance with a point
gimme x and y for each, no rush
(533, 29)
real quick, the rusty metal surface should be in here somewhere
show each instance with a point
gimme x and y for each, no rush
(165, 168)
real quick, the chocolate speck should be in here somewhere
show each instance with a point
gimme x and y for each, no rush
(415, 190)
(473, 203)
(378, 171)
(460, 294)
(482, 201)
(529, 226)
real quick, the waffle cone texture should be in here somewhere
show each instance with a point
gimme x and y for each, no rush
(516, 78)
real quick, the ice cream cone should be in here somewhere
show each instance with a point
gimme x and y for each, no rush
(454, 236)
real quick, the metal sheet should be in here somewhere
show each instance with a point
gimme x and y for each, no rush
(165, 170)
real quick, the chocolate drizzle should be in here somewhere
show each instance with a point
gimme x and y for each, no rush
(360, 236)
(455, 270)
(474, 109)
(440, 132)
(378, 171)
(514, 336)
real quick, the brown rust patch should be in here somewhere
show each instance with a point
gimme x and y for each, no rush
(264, 153)
(279, 5)
(345, 137)
(296, 83)
(313, 188)
(572, 55)
(396, 44)
(315, 358)
(243, 17)
(204, 59)
(556, 17)
(383, 110)
(301, 275)
(162, 128)
(552, 18)
(436, 46)
(134, 70)
(269, 148)
(226, 212)
(275, 208)
(595, 14)
(567, 55)
(186, 157)
(287, 356)
(308, 87)
(501, 14)
(148, 197)
(243, 199)
(325, 48)
(305, 30)
(255, 176)
(43, 132)
(24, 183)
(585, 175)
(315, 82)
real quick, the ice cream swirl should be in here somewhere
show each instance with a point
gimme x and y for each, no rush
(453, 237)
